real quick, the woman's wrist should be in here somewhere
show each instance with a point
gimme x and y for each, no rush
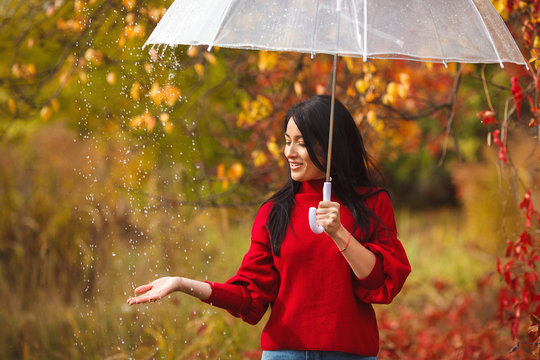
(340, 237)
(180, 284)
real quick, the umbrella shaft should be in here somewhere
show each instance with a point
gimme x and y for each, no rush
(331, 129)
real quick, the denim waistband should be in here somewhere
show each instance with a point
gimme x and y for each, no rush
(312, 355)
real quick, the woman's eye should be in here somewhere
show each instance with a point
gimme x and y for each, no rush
(301, 144)
(287, 143)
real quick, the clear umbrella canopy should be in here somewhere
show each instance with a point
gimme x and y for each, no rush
(426, 30)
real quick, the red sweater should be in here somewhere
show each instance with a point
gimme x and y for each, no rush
(317, 301)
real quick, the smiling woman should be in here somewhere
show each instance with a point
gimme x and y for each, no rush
(313, 282)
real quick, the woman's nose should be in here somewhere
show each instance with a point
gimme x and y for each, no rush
(289, 151)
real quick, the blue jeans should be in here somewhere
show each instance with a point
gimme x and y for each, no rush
(312, 355)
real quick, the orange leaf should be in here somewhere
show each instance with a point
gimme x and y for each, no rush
(129, 4)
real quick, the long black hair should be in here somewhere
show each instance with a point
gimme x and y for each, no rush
(351, 166)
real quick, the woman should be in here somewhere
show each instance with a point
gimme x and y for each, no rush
(320, 287)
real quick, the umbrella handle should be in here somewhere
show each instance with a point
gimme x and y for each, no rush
(327, 191)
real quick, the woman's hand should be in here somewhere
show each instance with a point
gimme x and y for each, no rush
(328, 217)
(156, 290)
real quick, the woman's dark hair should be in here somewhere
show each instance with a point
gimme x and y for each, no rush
(351, 167)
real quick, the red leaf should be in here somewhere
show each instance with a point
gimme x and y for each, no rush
(487, 117)
(517, 93)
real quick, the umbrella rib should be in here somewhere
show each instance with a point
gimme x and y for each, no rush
(357, 24)
(437, 34)
(221, 21)
(487, 32)
(316, 27)
(365, 31)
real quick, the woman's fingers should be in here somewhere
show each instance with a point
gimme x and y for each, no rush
(328, 216)
(145, 298)
(143, 288)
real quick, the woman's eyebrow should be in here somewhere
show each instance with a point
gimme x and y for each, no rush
(296, 137)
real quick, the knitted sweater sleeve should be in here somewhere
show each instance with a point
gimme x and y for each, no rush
(248, 294)
(392, 266)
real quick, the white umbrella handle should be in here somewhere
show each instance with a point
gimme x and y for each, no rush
(327, 191)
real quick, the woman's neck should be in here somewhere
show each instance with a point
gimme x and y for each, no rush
(312, 186)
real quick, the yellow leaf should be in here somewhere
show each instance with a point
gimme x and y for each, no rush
(351, 92)
(45, 113)
(29, 71)
(137, 122)
(155, 93)
(368, 68)
(111, 78)
(349, 62)
(83, 77)
(402, 91)
(134, 91)
(55, 104)
(199, 69)
(211, 58)
(259, 158)
(130, 18)
(11, 106)
(168, 127)
(391, 89)
(375, 123)
(155, 14)
(387, 99)
(78, 6)
(171, 94)
(235, 172)
(273, 147)
(404, 79)
(361, 85)
(500, 5)
(139, 30)
(164, 118)
(298, 89)
(149, 121)
(241, 119)
(267, 60)
(193, 51)
(16, 70)
(94, 56)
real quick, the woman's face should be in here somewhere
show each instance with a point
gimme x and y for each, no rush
(302, 168)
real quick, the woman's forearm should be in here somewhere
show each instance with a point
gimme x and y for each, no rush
(359, 257)
(198, 289)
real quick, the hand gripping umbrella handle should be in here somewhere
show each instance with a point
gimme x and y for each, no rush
(327, 191)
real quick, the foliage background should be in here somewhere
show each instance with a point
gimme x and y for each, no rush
(121, 164)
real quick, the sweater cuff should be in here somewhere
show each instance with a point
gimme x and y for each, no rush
(227, 296)
(376, 277)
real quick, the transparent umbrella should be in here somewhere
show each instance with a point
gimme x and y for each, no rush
(468, 31)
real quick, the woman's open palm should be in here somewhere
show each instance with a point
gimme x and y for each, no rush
(155, 290)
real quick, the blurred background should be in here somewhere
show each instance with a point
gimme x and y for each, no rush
(121, 164)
